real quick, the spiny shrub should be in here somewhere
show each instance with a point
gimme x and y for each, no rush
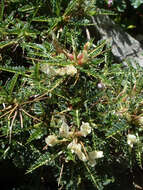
(65, 107)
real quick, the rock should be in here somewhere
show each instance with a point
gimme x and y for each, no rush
(123, 46)
(139, 37)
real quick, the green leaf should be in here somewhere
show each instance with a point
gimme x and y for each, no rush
(43, 160)
(12, 83)
(36, 133)
(117, 128)
(98, 61)
(2, 10)
(26, 8)
(35, 46)
(17, 70)
(98, 50)
(7, 43)
(136, 3)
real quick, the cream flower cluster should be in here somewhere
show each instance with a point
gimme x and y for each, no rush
(74, 146)
(51, 71)
(90, 157)
(131, 140)
(67, 70)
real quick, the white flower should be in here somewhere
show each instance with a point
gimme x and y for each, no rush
(82, 156)
(62, 71)
(85, 129)
(51, 140)
(95, 154)
(70, 70)
(51, 71)
(67, 70)
(76, 148)
(140, 120)
(131, 139)
(48, 69)
(64, 130)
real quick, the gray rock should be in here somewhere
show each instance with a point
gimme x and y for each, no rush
(123, 46)
(139, 37)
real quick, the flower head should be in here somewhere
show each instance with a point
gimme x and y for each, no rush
(70, 70)
(85, 129)
(51, 140)
(131, 139)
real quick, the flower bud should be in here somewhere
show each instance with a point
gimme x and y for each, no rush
(70, 56)
(64, 130)
(51, 140)
(86, 46)
(110, 2)
(82, 57)
(79, 58)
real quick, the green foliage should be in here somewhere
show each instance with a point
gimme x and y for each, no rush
(120, 5)
(56, 84)
(136, 3)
